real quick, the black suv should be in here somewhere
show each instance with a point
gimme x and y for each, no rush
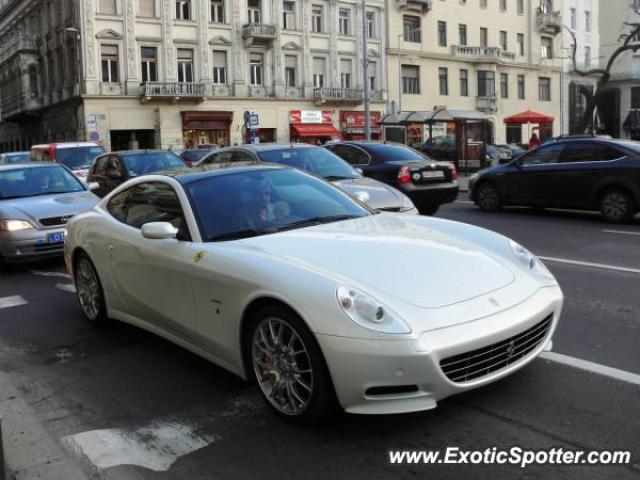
(584, 173)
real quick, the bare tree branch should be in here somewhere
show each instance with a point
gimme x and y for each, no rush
(574, 49)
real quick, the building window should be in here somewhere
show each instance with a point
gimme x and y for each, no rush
(574, 18)
(185, 65)
(371, 25)
(344, 20)
(442, 34)
(484, 37)
(486, 83)
(410, 79)
(521, 87)
(217, 11)
(635, 98)
(183, 10)
(587, 57)
(373, 68)
(290, 67)
(504, 85)
(503, 39)
(109, 54)
(503, 4)
(520, 7)
(345, 73)
(464, 83)
(520, 40)
(107, 7)
(254, 11)
(219, 67)
(149, 58)
(462, 34)
(289, 15)
(319, 69)
(587, 21)
(316, 18)
(411, 28)
(256, 69)
(544, 89)
(547, 47)
(443, 80)
(545, 6)
(147, 8)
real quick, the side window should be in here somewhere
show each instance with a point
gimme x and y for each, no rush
(546, 154)
(589, 152)
(221, 157)
(351, 155)
(147, 202)
(114, 168)
(240, 156)
(100, 166)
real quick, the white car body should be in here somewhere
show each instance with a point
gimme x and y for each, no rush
(457, 287)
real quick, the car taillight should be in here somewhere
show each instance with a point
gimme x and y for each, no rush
(404, 175)
(454, 172)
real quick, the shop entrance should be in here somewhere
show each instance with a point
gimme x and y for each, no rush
(205, 127)
(132, 139)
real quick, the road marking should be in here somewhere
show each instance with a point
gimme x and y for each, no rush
(623, 232)
(592, 367)
(155, 446)
(468, 202)
(51, 274)
(12, 301)
(66, 287)
(603, 266)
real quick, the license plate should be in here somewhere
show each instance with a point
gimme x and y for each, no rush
(433, 174)
(57, 237)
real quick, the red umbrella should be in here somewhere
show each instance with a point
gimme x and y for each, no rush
(528, 117)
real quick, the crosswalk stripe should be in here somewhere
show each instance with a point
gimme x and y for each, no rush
(12, 301)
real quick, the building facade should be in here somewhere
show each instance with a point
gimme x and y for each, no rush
(500, 57)
(581, 17)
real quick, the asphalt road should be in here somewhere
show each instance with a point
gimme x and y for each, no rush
(126, 383)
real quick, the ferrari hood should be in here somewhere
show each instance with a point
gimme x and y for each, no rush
(407, 258)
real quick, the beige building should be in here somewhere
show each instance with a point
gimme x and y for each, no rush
(499, 57)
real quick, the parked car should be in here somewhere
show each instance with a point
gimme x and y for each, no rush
(441, 148)
(428, 183)
(208, 146)
(14, 157)
(112, 169)
(323, 163)
(77, 156)
(585, 174)
(514, 150)
(283, 279)
(192, 156)
(496, 156)
(36, 202)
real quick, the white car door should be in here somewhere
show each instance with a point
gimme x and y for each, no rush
(152, 277)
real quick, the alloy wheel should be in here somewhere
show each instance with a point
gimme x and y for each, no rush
(615, 206)
(88, 288)
(487, 198)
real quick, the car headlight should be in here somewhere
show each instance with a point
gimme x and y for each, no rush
(368, 312)
(407, 204)
(15, 225)
(529, 260)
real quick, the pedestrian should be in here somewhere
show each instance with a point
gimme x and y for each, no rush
(534, 141)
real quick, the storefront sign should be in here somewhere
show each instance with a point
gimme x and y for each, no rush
(310, 116)
(358, 119)
(253, 121)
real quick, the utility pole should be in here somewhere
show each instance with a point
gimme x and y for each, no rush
(365, 64)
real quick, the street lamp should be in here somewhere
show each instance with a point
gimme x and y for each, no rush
(76, 31)
(409, 32)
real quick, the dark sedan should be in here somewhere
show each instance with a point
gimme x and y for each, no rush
(584, 174)
(192, 156)
(112, 169)
(428, 183)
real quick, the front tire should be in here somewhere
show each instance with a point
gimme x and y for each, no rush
(286, 362)
(616, 206)
(487, 197)
(89, 290)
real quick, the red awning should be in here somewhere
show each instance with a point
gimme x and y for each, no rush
(528, 117)
(325, 130)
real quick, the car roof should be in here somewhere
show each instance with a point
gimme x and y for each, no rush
(368, 143)
(13, 166)
(262, 147)
(138, 151)
(67, 145)
(17, 153)
(188, 175)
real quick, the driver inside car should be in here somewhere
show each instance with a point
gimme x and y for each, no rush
(262, 209)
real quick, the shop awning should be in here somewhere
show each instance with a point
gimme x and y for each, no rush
(632, 122)
(306, 130)
(528, 117)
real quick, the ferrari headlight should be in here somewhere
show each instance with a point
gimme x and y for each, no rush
(529, 260)
(407, 204)
(368, 312)
(15, 225)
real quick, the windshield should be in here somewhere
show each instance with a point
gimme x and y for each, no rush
(16, 158)
(78, 158)
(261, 201)
(30, 181)
(315, 160)
(396, 153)
(149, 162)
(195, 155)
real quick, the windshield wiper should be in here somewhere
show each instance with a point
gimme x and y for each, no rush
(246, 233)
(307, 222)
(333, 178)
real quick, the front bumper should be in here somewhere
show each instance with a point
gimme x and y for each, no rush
(30, 244)
(358, 365)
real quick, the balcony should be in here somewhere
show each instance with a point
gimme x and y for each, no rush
(483, 54)
(17, 108)
(549, 22)
(262, 33)
(338, 95)
(420, 6)
(20, 43)
(488, 104)
(174, 91)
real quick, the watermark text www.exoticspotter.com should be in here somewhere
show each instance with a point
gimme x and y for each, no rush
(520, 457)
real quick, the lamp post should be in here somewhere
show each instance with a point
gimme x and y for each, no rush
(365, 64)
(410, 32)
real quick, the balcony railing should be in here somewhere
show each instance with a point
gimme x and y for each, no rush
(483, 53)
(549, 22)
(173, 89)
(18, 44)
(18, 106)
(422, 6)
(258, 33)
(487, 104)
(338, 95)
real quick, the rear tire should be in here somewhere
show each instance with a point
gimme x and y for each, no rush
(89, 291)
(616, 206)
(487, 197)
